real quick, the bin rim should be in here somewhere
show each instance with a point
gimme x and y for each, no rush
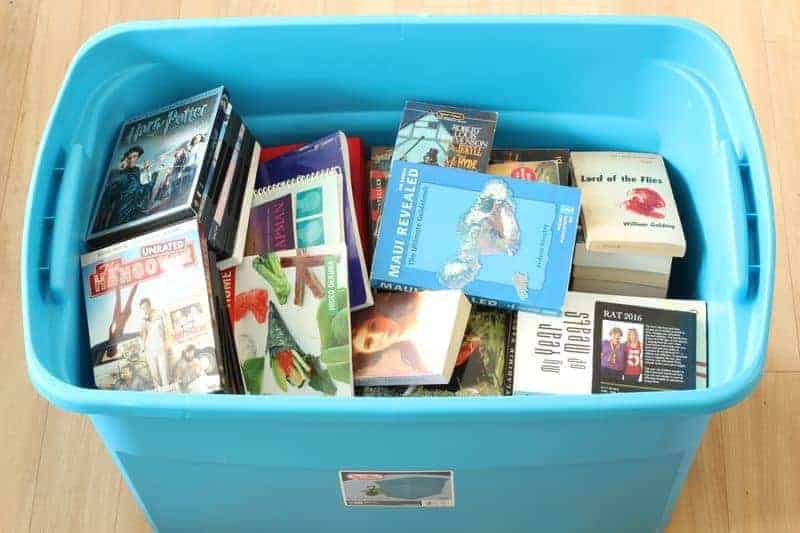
(418, 409)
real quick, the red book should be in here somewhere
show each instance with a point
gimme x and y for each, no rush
(358, 181)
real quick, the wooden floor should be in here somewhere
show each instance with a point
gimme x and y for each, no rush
(54, 472)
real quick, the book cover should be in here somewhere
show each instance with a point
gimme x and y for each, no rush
(482, 365)
(156, 174)
(292, 322)
(533, 164)
(628, 206)
(329, 152)
(297, 213)
(409, 338)
(379, 164)
(445, 136)
(502, 241)
(605, 343)
(148, 310)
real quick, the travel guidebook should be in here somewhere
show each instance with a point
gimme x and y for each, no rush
(445, 136)
(148, 308)
(409, 338)
(504, 242)
(484, 365)
(628, 206)
(291, 321)
(325, 154)
(158, 168)
(607, 343)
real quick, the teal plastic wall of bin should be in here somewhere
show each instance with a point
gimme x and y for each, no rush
(546, 463)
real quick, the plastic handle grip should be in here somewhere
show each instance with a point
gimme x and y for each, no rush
(63, 260)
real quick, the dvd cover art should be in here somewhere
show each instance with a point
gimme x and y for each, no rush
(147, 308)
(445, 136)
(155, 165)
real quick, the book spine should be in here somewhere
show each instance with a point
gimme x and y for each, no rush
(511, 355)
(377, 193)
(397, 287)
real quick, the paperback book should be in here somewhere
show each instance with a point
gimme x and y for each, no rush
(379, 164)
(291, 322)
(159, 168)
(484, 365)
(605, 343)
(150, 314)
(445, 136)
(504, 242)
(328, 153)
(628, 206)
(548, 166)
(409, 338)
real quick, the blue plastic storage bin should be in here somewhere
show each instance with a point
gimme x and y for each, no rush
(600, 463)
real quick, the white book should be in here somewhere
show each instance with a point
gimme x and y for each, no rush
(618, 288)
(661, 346)
(409, 338)
(627, 204)
(622, 261)
(244, 214)
(636, 277)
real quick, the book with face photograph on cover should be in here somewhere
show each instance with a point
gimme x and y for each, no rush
(606, 343)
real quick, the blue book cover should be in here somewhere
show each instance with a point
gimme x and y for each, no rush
(322, 155)
(503, 241)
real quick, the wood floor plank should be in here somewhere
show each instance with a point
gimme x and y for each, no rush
(17, 23)
(702, 505)
(78, 482)
(760, 443)
(783, 59)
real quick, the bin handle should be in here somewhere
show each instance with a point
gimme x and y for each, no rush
(63, 263)
(745, 218)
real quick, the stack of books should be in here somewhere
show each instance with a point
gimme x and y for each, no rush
(631, 229)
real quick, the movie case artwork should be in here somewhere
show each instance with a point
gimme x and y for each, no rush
(155, 169)
(148, 314)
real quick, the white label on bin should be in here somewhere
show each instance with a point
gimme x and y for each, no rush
(407, 488)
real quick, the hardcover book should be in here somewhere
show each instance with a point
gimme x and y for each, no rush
(292, 322)
(328, 153)
(445, 136)
(628, 206)
(607, 343)
(484, 365)
(409, 338)
(379, 164)
(297, 213)
(158, 169)
(149, 310)
(504, 242)
(548, 166)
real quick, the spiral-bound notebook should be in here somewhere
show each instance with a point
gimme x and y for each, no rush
(328, 153)
(298, 213)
